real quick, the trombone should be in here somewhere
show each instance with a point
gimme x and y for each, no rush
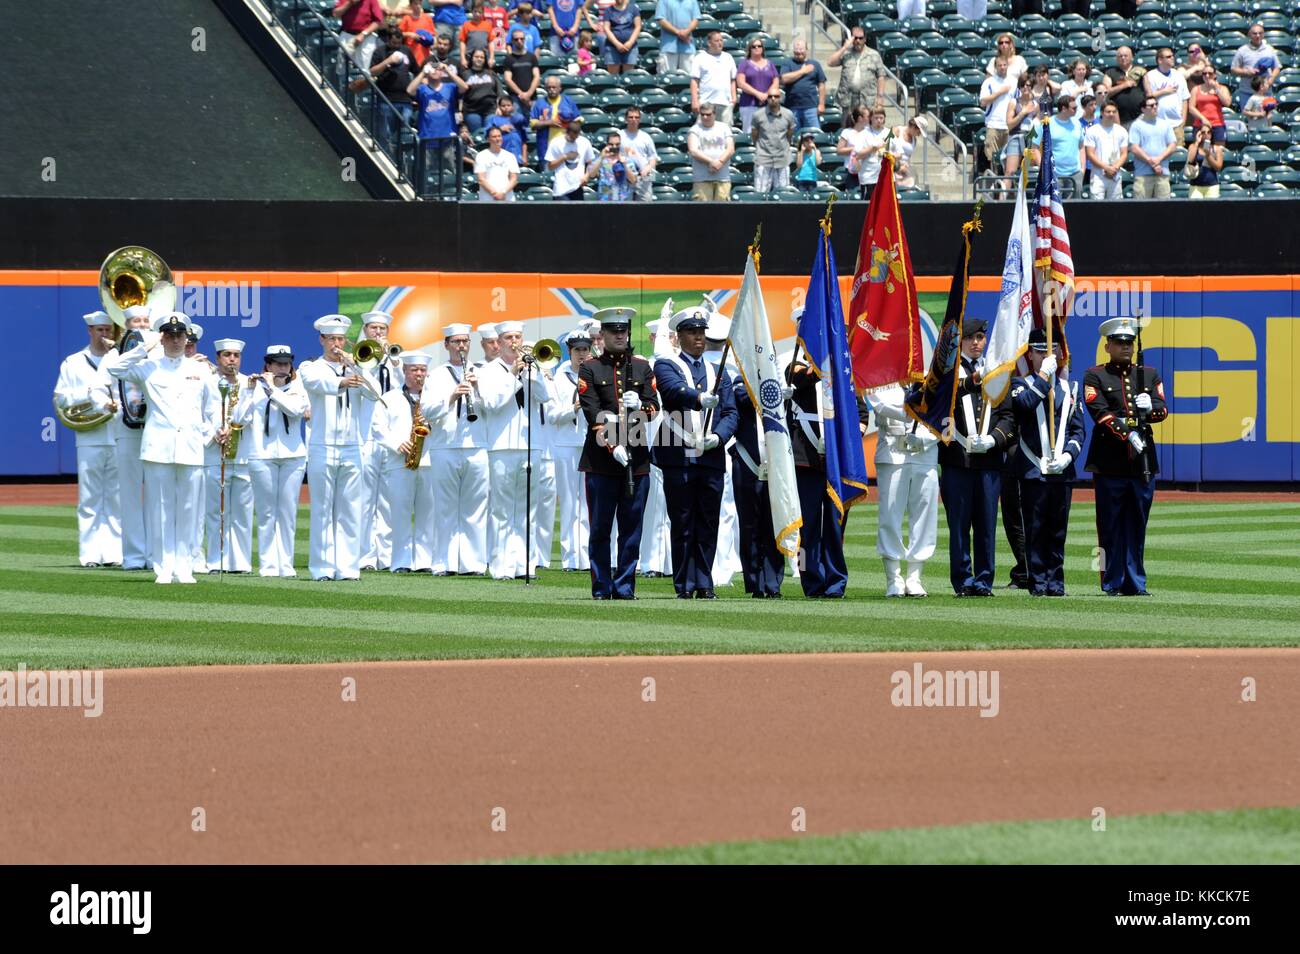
(369, 353)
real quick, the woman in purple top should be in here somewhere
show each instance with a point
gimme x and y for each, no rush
(757, 79)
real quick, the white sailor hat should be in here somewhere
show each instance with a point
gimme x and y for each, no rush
(655, 326)
(719, 326)
(578, 339)
(279, 352)
(195, 331)
(695, 318)
(590, 325)
(135, 311)
(228, 344)
(615, 317)
(96, 318)
(332, 324)
(1125, 329)
(415, 358)
(510, 327)
(174, 321)
(457, 329)
(377, 318)
(487, 332)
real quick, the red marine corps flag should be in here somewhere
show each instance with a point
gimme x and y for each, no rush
(884, 321)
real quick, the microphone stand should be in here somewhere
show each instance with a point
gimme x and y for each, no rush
(528, 471)
(224, 388)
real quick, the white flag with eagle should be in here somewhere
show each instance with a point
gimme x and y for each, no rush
(751, 345)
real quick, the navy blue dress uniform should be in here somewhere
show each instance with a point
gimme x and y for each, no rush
(970, 478)
(824, 573)
(1124, 401)
(761, 564)
(693, 458)
(611, 451)
(1046, 472)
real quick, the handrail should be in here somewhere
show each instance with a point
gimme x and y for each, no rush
(904, 100)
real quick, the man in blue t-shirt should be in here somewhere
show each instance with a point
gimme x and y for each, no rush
(1067, 145)
(448, 18)
(435, 100)
(804, 83)
(524, 21)
(1151, 142)
(565, 21)
(510, 122)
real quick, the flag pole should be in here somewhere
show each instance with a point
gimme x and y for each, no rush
(1049, 321)
(726, 350)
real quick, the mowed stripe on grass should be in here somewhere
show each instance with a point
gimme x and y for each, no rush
(1223, 575)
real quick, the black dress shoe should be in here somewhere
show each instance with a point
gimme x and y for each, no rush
(705, 595)
(403, 569)
(324, 579)
(685, 596)
(600, 596)
(629, 596)
(91, 566)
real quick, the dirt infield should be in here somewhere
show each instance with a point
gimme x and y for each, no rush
(46, 495)
(412, 771)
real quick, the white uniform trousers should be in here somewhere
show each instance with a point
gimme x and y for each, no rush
(726, 561)
(99, 534)
(277, 486)
(570, 491)
(376, 536)
(334, 476)
(911, 488)
(656, 538)
(544, 495)
(131, 511)
(460, 509)
(506, 504)
(239, 518)
(408, 495)
(174, 494)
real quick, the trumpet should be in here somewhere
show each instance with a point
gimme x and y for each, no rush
(368, 353)
(419, 431)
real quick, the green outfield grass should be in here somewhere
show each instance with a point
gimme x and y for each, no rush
(1257, 836)
(1223, 574)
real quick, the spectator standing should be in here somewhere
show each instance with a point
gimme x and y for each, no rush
(442, 53)
(1204, 163)
(476, 33)
(1195, 62)
(1259, 108)
(449, 17)
(677, 22)
(996, 93)
(1209, 96)
(1151, 142)
(496, 169)
(1076, 84)
(510, 123)
(804, 82)
(1106, 144)
(1252, 58)
(622, 28)
(1020, 7)
(1067, 145)
(615, 171)
(713, 79)
(1124, 85)
(522, 72)
(436, 100)
(863, 144)
(910, 8)
(860, 72)
(973, 9)
(551, 115)
(418, 19)
(524, 21)
(361, 21)
(1021, 113)
(586, 59)
(807, 161)
(566, 22)
(391, 68)
(570, 156)
(1046, 90)
(1015, 63)
(901, 146)
(1169, 89)
(756, 80)
(483, 91)
(638, 144)
(1087, 117)
(711, 146)
(773, 130)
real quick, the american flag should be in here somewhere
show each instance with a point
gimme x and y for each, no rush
(1053, 266)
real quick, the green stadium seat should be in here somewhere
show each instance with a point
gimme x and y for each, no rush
(1185, 7)
(1222, 61)
(1284, 174)
(598, 80)
(955, 60)
(972, 44)
(970, 80)
(966, 121)
(953, 99)
(951, 24)
(891, 45)
(742, 24)
(707, 25)
(615, 100)
(1288, 99)
(833, 118)
(1233, 189)
(1262, 157)
(726, 9)
(1072, 21)
(1277, 138)
(1280, 39)
(915, 26)
(1215, 7)
(996, 23)
(1030, 22)
(1145, 58)
(1292, 155)
(1229, 40)
(675, 81)
(744, 159)
(1240, 175)
(538, 194)
(913, 195)
(634, 81)
(654, 98)
(1275, 190)
(741, 139)
(1189, 21)
(877, 24)
(927, 84)
(1034, 58)
(669, 195)
(1111, 21)
(1179, 189)
(933, 43)
(1044, 42)
(788, 194)
(673, 119)
(912, 62)
(1149, 21)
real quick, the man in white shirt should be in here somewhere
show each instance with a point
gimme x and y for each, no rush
(277, 458)
(1106, 143)
(638, 144)
(84, 381)
(569, 157)
(570, 434)
(235, 538)
(487, 337)
(995, 95)
(453, 406)
(183, 416)
(408, 492)
(1169, 87)
(339, 392)
(128, 428)
(496, 169)
(713, 79)
(508, 384)
(710, 145)
(376, 540)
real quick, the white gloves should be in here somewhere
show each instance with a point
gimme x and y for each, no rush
(982, 444)
(787, 392)
(1048, 366)
(1136, 440)
(1143, 402)
(632, 400)
(710, 442)
(1057, 465)
(622, 456)
(708, 400)
(913, 444)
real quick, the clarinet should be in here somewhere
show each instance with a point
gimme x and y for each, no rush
(471, 413)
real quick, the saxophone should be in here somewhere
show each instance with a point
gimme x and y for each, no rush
(232, 445)
(419, 431)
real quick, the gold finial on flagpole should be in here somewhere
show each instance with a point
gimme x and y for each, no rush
(754, 246)
(976, 224)
(826, 219)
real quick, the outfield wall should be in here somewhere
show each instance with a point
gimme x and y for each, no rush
(1225, 345)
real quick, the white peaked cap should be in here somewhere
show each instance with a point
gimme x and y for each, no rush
(332, 324)
(195, 330)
